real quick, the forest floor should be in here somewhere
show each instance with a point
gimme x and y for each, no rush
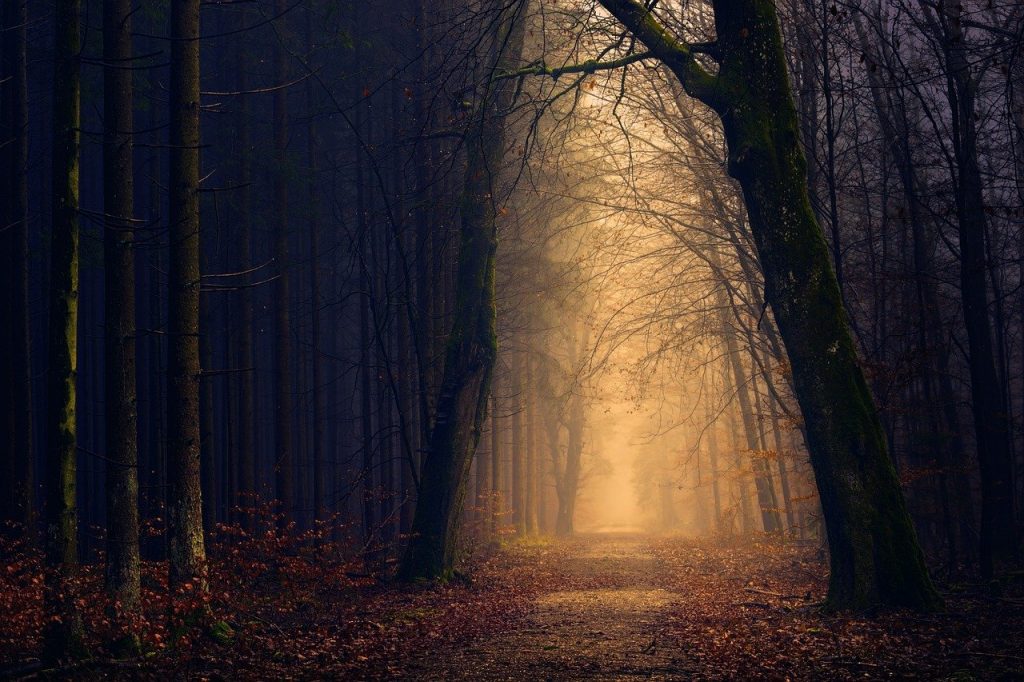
(598, 606)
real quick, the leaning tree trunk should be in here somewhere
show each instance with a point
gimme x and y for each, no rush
(875, 556)
(63, 634)
(186, 548)
(472, 343)
(122, 577)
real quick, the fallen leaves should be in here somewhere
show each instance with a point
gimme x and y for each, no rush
(597, 606)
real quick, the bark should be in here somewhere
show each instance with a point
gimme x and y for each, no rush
(63, 635)
(186, 547)
(122, 576)
(16, 504)
(875, 555)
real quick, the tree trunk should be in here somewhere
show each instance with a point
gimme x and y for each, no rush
(122, 576)
(472, 344)
(63, 635)
(186, 547)
(565, 519)
(875, 555)
(283, 458)
(517, 455)
(16, 503)
(494, 508)
(530, 497)
(716, 493)
(315, 277)
(246, 357)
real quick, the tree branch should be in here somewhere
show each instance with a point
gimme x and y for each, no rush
(677, 55)
(587, 67)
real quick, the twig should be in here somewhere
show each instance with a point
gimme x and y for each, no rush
(777, 595)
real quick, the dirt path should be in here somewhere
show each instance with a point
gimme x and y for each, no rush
(603, 617)
(628, 606)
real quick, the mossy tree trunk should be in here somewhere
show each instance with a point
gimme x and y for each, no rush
(186, 547)
(472, 345)
(122, 577)
(63, 635)
(875, 556)
(16, 505)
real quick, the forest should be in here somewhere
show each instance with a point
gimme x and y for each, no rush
(511, 339)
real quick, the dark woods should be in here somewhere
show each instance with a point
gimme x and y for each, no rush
(303, 289)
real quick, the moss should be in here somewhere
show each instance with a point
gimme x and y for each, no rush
(221, 632)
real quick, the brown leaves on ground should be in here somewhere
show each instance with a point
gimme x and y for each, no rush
(600, 606)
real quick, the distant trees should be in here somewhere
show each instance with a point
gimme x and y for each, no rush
(999, 539)
(875, 555)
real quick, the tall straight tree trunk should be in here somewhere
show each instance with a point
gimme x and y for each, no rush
(542, 484)
(246, 357)
(63, 635)
(495, 491)
(283, 458)
(565, 519)
(574, 426)
(16, 503)
(517, 455)
(185, 545)
(530, 409)
(366, 368)
(741, 478)
(315, 278)
(471, 345)
(716, 493)
(483, 490)
(875, 556)
(121, 405)
(999, 540)
(780, 460)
